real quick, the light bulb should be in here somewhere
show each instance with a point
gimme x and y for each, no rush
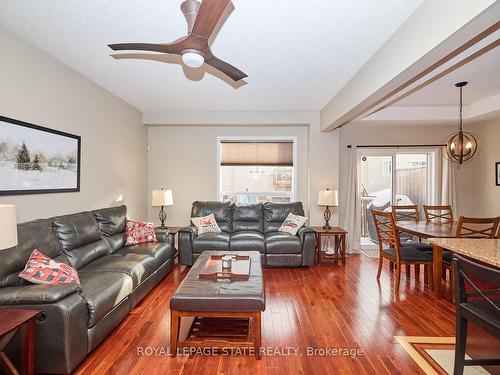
(468, 145)
(452, 145)
(193, 59)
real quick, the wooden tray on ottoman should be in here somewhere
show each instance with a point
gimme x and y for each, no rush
(240, 268)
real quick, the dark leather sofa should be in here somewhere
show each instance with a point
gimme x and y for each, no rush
(251, 227)
(113, 278)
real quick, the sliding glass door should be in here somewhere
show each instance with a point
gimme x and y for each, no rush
(393, 176)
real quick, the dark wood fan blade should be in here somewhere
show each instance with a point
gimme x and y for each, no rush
(208, 16)
(234, 73)
(165, 48)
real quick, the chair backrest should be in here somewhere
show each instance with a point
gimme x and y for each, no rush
(386, 230)
(438, 214)
(471, 277)
(474, 227)
(406, 212)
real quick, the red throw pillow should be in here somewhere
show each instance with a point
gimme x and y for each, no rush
(139, 232)
(40, 269)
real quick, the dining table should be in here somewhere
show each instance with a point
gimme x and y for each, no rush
(482, 250)
(427, 230)
(424, 229)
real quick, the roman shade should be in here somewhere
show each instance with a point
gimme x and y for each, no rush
(256, 153)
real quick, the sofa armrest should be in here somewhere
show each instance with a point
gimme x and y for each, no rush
(61, 328)
(185, 237)
(191, 230)
(308, 237)
(36, 294)
(305, 230)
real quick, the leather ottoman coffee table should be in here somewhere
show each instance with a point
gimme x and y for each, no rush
(232, 307)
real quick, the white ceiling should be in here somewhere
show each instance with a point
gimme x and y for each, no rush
(482, 75)
(297, 53)
(437, 103)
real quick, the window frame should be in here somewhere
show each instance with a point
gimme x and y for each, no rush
(292, 139)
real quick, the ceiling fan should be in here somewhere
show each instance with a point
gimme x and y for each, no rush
(201, 19)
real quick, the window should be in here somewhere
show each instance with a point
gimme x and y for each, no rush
(254, 171)
(387, 166)
(393, 176)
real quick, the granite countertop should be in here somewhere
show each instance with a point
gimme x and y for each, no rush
(484, 250)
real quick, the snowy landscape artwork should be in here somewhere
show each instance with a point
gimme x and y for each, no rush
(34, 159)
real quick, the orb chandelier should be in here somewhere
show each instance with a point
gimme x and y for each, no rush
(461, 146)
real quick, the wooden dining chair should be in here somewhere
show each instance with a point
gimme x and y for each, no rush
(410, 212)
(470, 227)
(405, 212)
(387, 233)
(438, 214)
(477, 302)
(474, 227)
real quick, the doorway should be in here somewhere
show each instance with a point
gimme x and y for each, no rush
(393, 176)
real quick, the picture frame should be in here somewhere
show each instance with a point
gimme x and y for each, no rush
(497, 173)
(37, 160)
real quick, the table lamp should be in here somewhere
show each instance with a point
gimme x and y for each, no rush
(328, 198)
(8, 223)
(162, 198)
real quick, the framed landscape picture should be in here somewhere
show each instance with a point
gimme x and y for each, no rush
(35, 160)
(497, 172)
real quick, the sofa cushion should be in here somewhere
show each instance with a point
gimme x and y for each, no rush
(139, 232)
(282, 243)
(409, 253)
(206, 224)
(76, 230)
(115, 242)
(292, 224)
(137, 266)
(276, 213)
(41, 269)
(80, 238)
(112, 223)
(248, 217)
(211, 241)
(221, 210)
(37, 234)
(247, 241)
(111, 220)
(161, 251)
(102, 291)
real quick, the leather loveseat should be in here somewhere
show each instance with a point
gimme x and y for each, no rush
(114, 279)
(252, 227)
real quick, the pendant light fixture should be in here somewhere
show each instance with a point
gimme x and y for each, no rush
(461, 146)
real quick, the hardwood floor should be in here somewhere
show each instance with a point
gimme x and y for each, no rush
(327, 306)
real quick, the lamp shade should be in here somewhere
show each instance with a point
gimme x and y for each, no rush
(328, 198)
(162, 198)
(8, 223)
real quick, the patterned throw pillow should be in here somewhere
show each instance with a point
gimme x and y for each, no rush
(206, 224)
(139, 232)
(292, 223)
(40, 269)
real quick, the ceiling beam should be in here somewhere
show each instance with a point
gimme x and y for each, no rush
(435, 33)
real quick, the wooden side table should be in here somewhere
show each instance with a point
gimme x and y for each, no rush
(12, 321)
(339, 236)
(173, 231)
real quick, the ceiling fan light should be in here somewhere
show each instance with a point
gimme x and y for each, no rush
(193, 59)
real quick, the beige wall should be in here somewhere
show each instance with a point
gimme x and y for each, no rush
(376, 134)
(477, 194)
(184, 157)
(39, 89)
